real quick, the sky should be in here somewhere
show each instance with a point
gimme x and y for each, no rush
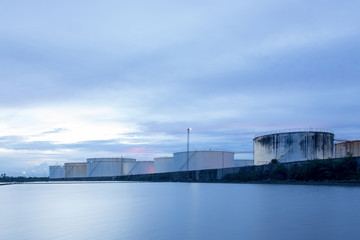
(83, 79)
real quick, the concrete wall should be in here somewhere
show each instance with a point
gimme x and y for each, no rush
(57, 171)
(349, 147)
(293, 146)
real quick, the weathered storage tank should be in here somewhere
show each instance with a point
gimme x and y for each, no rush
(75, 170)
(199, 160)
(106, 167)
(293, 146)
(243, 163)
(347, 148)
(138, 167)
(56, 171)
(164, 164)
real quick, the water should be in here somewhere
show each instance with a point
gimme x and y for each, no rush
(178, 211)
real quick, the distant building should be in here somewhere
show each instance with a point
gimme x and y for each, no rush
(347, 148)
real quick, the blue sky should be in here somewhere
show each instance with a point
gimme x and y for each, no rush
(83, 79)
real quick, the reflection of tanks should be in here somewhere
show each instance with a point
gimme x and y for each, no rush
(293, 146)
(348, 148)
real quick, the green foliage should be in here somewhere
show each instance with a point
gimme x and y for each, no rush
(279, 172)
(24, 179)
(314, 170)
(274, 161)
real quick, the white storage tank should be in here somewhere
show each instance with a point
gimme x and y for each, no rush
(199, 160)
(106, 167)
(293, 145)
(138, 167)
(75, 170)
(347, 148)
(164, 164)
(56, 171)
(243, 163)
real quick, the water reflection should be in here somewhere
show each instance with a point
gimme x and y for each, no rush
(178, 211)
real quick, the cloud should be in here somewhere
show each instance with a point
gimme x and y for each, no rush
(128, 78)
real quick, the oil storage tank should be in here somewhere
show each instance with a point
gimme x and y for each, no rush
(75, 170)
(56, 171)
(198, 160)
(347, 148)
(106, 167)
(164, 164)
(138, 167)
(293, 145)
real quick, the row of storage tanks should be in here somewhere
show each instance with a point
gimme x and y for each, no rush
(182, 161)
(101, 167)
(288, 146)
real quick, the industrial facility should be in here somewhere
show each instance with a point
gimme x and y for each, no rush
(284, 146)
(293, 146)
(347, 148)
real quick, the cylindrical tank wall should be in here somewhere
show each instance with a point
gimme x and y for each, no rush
(75, 170)
(347, 148)
(293, 146)
(138, 167)
(57, 171)
(164, 164)
(106, 167)
(199, 160)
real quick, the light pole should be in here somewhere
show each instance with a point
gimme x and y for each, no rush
(188, 138)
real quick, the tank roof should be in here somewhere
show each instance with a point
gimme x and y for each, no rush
(204, 151)
(348, 141)
(75, 163)
(110, 159)
(296, 130)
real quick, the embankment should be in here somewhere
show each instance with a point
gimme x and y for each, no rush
(341, 170)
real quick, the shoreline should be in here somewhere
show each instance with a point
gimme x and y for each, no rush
(272, 182)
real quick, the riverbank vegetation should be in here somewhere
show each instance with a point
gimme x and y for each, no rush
(7, 179)
(336, 170)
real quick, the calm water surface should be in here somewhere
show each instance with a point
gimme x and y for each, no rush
(178, 211)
